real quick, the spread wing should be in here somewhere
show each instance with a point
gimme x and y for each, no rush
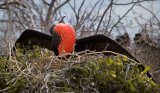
(32, 37)
(100, 43)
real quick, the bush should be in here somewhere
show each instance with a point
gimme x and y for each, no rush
(90, 72)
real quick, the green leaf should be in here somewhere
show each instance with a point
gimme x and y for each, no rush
(100, 61)
(114, 75)
(153, 83)
(124, 59)
(132, 88)
(140, 79)
(147, 68)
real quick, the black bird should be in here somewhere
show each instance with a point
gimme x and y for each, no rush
(63, 38)
(138, 39)
(123, 40)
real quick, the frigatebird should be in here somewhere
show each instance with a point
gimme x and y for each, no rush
(63, 38)
(123, 40)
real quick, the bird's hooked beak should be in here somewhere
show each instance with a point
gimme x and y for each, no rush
(53, 26)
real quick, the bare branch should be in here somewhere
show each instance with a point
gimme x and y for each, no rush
(103, 16)
(49, 13)
(121, 18)
(14, 2)
(149, 12)
(127, 3)
(10, 28)
(58, 7)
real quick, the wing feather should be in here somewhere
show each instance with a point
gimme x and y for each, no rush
(35, 38)
(100, 43)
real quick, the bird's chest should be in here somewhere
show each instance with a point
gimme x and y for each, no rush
(67, 43)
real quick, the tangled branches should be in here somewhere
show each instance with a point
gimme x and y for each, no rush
(90, 72)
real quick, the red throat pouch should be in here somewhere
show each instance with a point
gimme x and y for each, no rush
(68, 37)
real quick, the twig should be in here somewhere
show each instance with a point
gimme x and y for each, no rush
(128, 67)
(155, 72)
(150, 12)
(112, 53)
(103, 16)
(110, 13)
(10, 29)
(10, 3)
(121, 18)
(127, 3)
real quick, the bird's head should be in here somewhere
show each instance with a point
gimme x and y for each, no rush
(64, 37)
(124, 40)
(138, 39)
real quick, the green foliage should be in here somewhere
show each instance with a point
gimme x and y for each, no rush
(112, 76)
(11, 69)
(89, 74)
(6, 77)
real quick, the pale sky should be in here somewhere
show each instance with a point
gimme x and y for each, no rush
(120, 10)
